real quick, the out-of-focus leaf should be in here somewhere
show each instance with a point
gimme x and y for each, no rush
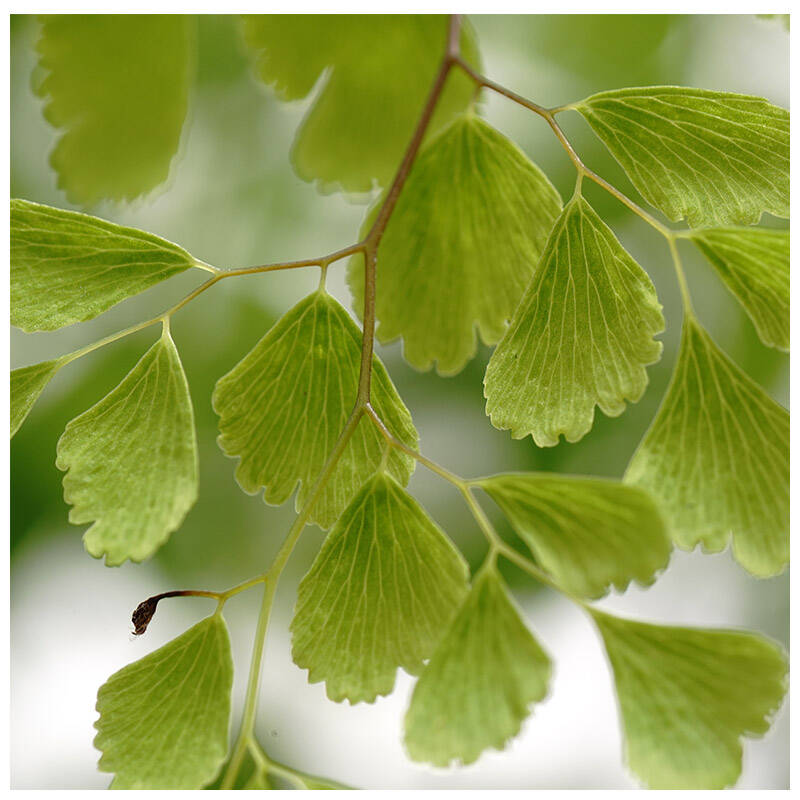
(378, 71)
(27, 383)
(605, 51)
(688, 695)
(589, 534)
(754, 264)
(717, 458)
(117, 85)
(460, 246)
(480, 681)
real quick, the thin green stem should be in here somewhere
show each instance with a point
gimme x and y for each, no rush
(271, 578)
(681, 275)
(369, 247)
(69, 357)
(198, 264)
(492, 536)
(482, 80)
(532, 569)
(269, 765)
(320, 261)
(496, 544)
(666, 232)
(219, 275)
(248, 584)
(451, 477)
(602, 182)
(548, 114)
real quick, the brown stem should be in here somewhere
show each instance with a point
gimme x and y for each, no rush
(373, 237)
(369, 246)
(450, 58)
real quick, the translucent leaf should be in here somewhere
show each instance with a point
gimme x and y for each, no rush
(377, 71)
(117, 85)
(68, 267)
(164, 719)
(754, 264)
(717, 458)
(461, 245)
(379, 595)
(589, 534)
(580, 337)
(712, 158)
(688, 695)
(27, 383)
(481, 680)
(131, 460)
(283, 405)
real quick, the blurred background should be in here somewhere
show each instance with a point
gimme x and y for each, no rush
(233, 200)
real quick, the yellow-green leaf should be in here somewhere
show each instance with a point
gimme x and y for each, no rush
(480, 682)
(754, 264)
(68, 267)
(688, 695)
(379, 595)
(131, 460)
(378, 70)
(284, 404)
(581, 336)
(117, 86)
(27, 383)
(712, 158)
(164, 719)
(717, 458)
(460, 247)
(589, 534)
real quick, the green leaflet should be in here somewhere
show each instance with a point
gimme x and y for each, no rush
(589, 534)
(712, 158)
(117, 85)
(378, 72)
(379, 595)
(480, 681)
(27, 383)
(686, 697)
(164, 719)
(754, 264)
(68, 267)
(717, 458)
(580, 337)
(131, 460)
(461, 245)
(283, 405)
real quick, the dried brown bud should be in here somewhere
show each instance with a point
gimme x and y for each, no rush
(143, 614)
